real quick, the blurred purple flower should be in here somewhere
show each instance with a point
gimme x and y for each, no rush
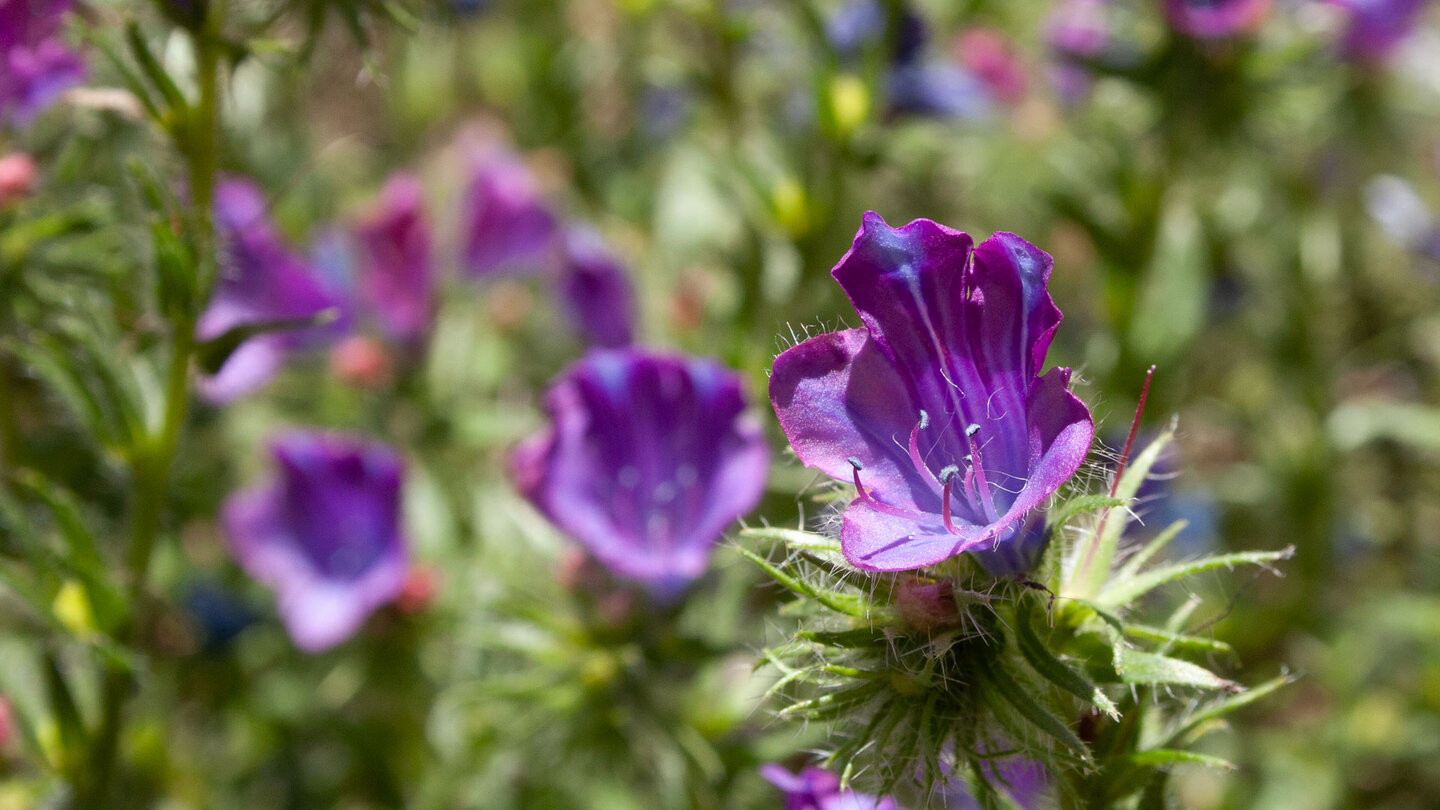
(1025, 781)
(647, 459)
(595, 291)
(1376, 27)
(939, 89)
(1215, 19)
(819, 789)
(1078, 28)
(858, 24)
(325, 534)
(396, 280)
(507, 226)
(35, 66)
(935, 408)
(260, 281)
(989, 55)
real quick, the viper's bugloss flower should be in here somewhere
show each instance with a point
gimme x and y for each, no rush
(989, 56)
(35, 65)
(938, 89)
(1215, 19)
(935, 408)
(325, 534)
(1077, 29)
(1376, 27)
(859, 24)
(819, 789)
(507, 227)
(260, 280)
(1024, 781)
(396, 281)
(646, 461)
(594, 290)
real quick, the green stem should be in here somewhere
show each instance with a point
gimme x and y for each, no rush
(199, 140)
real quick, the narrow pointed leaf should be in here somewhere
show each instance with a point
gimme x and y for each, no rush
(1052, 668)
(1160, 757)
(1222, 707)
(793, 538)
(1132, 566)
(1137, 667)
(1016, 696)
(849, 605)
(1127, 591)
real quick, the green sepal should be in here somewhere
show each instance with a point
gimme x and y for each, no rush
(1053, 669)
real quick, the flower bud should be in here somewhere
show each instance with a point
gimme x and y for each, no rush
(361, 361)
(17, 176)
(926, 605)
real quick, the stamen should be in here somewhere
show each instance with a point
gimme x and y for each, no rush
(979, 469)
(915, 459)
(857, 466)
(1134, 427)
(947, 476)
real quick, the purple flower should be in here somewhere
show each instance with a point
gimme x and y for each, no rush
(935, 407)
(595, 291)
(395, 281)
(1077, 29)
(1214, 19)
(1377, 26)
(507, 226)
(35, 66)
(857, 24)
(1025, 781)
(647, 459)
(819, 789)
(325, 534)
(260, 281)
(938, 89)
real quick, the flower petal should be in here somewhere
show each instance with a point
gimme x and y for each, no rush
(878, 540)
(837, 397)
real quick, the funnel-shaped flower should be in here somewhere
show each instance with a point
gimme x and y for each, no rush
(936, 406)
(325, 534)
(35, 66)
(507, 227)
(261, 281)
(648, 458)
(595, 291)
(395, 280)
(1214, 19)
(1376, 27)
(819, 789)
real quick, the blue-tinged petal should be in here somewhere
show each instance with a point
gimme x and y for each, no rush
(877, 539)
(396, 278)
(595, 291)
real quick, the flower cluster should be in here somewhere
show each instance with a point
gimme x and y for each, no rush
(35, 65)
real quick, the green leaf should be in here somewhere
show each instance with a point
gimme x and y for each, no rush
(841, 603)
(1137, 667)
(213, 353)
(153, 70)
(1053, 669)
(1127, 591)
(1144, 555)
(1091, 566)
(1085, 503)
(1161, 757)
(1219, 708)
(1177, 640)
(1016, 696)
(793, 538)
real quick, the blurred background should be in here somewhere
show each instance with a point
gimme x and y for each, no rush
(1249, 206)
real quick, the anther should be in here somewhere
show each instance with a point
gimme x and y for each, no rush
(971, 430)
(924, 420)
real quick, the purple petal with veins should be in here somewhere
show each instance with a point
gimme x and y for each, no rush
(935, 409)
(1214, 19)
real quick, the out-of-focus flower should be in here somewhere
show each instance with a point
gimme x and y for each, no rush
(261, 281)
(362, 361)
(1025, 781)
(420, 590)
(1376, 27)
(860, 24)
(595, 291)
(1215, 19)
(819, 789)
(17, 176)
(935, 408)
(1395, 204)
(507, 227)
(647, 459)
(1077, 32)
(325, 534)
(938, 89)
(395, 279)
(220, 614)
(989, 56)
(35, 66)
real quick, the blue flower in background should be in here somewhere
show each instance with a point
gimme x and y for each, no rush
(940, 90)
(1377, 27)
(595, 291)
(860, 24)
(648, 458)
(507, 226)
(325, 534)
(935, 408)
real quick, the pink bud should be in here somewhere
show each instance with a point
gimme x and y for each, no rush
(418, 593)
(926, 605)
(7, 722)
(17, 176)
(361, 361)
(988, 54)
